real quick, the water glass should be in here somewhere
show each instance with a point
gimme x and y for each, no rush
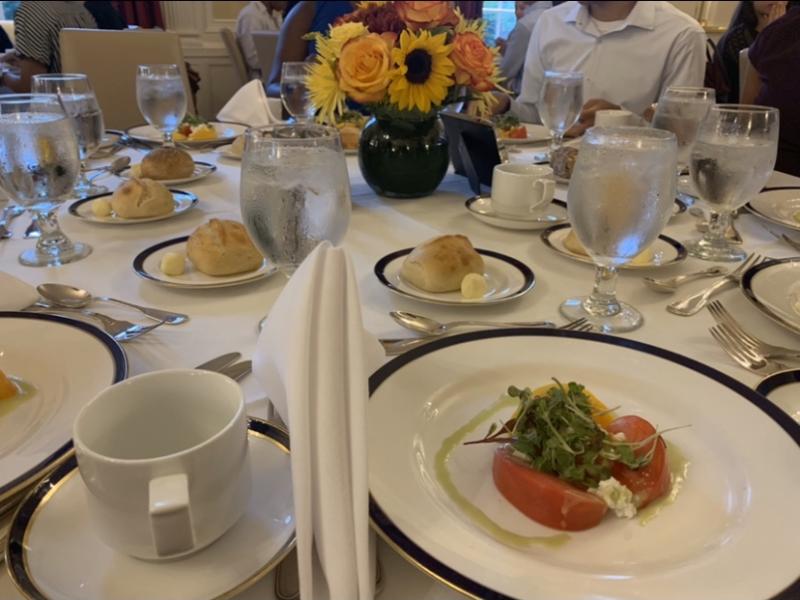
(39, 164)
(620, 198)
(295, 191)
(80, 103)
(294, 92)
(730, 162)
(560, 103)
(161, 97)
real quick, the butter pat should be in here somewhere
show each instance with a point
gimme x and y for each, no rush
(173, 264)
(101, 207)
(474, 286)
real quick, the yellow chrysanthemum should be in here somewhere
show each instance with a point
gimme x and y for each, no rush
(323, 88)
(423, 71)
(476, 26)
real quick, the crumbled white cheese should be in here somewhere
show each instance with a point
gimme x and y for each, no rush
(619, 436)
(616, 496)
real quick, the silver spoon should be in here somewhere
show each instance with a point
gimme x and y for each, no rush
(73, 297)
(117, 166)
(670, 284)
(430, 326)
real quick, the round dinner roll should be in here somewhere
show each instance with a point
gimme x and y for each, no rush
(167, 163)
(440, 264)
(141, 198)
(222, 247)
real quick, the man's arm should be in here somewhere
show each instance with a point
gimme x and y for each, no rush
(35, 37)
(524, 107)
(19, 80)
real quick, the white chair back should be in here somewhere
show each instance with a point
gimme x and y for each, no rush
(744, 67)
(266, 43)
(237, 58)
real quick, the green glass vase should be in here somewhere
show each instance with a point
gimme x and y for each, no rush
(403, 158)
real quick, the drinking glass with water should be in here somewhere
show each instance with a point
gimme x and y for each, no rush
(560, 103)
(294, 192)
(161, 97)
(294, 92)
(80, 103)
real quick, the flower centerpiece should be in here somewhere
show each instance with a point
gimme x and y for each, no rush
(402, 62)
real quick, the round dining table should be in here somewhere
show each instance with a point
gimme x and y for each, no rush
(226, 320)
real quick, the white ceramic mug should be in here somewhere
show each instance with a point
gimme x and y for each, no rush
(613, 118)
(164, 458)
(519, 190)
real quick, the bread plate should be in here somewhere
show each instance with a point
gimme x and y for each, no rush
(201, 171)
(507, 279)
(83, 209)
(147, 265)
(226, 133)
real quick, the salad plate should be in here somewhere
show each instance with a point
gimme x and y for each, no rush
(779, 205)
(553, 214)
(536, 135)
(82, 209)
(53, 552)
(63, 363)
(666, 251)
(201, 171)
(507, 279)
(147, 265)
(226, 133)
(434, 500)
(773, 287)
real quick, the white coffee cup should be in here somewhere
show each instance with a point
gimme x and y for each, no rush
(613, 118)
(519, 190)
(164, 457)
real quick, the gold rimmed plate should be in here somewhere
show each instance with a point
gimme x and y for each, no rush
(182, 202)
(54, 554)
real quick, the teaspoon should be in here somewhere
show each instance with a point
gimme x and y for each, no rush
(670, 284)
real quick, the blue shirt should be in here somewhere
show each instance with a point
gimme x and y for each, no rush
(325, 13)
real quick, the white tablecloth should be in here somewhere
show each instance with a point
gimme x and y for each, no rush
(225, 320)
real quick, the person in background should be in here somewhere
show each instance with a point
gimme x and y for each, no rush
(772, 81)
(747, 21)
(257, 16)
(105, 15)
(515, 48)
(629, 54)
(37, 25)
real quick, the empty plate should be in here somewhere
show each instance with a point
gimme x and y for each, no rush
(779, 205)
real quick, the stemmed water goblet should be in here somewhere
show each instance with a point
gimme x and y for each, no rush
(560, 103)
(620, 198)
(39, 165)
(294, 91)
(161, 97)
(80, 103)
(730, 162)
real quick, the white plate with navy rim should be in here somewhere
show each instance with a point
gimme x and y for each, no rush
(201, 171)
(666, 251)
(67, 362)
(82, 209)
(537, 134)
(732, 512)
(783, 390)
(779, 205)
(774, 288)
(554, 213)
(507, 279)
(226, 133)
(53, 553)
(147, 265)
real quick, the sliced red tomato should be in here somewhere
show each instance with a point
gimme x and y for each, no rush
(518, 133)
(544, 498)
(649, 482)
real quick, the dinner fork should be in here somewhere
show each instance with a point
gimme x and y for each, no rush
(749, 359)
(744, 339)
(119, 329)
(694, 304)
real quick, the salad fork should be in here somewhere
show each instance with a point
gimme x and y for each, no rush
(749, 359)
(120, 330)
(744, 339)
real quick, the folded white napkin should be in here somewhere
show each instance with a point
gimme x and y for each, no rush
(250, 106)
(313, 359)
(15, 294)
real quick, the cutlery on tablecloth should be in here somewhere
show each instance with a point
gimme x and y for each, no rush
(747, 341)
(747, 358)
(695, 303)
(120, 330)
(428, 326)
(669, 285)
(220, 362)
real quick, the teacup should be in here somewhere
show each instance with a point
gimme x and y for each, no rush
(613, 118)
(520, 190)
(165, 462)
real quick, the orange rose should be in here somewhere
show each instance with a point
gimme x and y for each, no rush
(424, 15)
(474, 62)
(364, 68)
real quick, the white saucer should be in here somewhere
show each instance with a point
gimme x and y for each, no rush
(147, 264)
(554, 213)
(201, 171)
(507, 278)
(82, 209)
(53, 553)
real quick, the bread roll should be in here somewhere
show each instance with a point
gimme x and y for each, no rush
(350, 134)
(222, 247)
(440, 264)
(167, 163)
(563, 161)
(142, 198)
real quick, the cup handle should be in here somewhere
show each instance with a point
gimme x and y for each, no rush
(544, 189)
(170, 517)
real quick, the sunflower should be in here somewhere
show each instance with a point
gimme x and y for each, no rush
(423, 71)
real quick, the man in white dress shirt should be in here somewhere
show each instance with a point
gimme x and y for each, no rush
(257, 16)
(629, 54)
(516, 47)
